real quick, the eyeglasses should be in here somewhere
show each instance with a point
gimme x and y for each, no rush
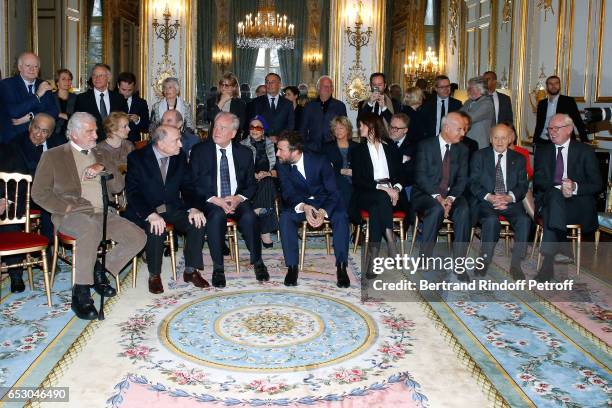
(394, 129)
(443, 87)
(36, 128)
(258, 128)
(555, 128)
(226, 85)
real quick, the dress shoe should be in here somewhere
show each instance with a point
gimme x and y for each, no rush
(261, 272)
(544, 275)
(218, 278)
(463, 277)
(292, 276)
(155, 284)
(101, 283)
(343, 280)
(17, 285)
(517, 273)
(196, 278)
(82, 303)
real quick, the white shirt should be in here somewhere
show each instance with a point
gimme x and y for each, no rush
(564, 153)
(300, 167)
(77, 147)
(438, 110)
(503, 170)
(129, 103)
(276, 98)
(551, 110)
(27, 84)
(399, 142)
(495, 97)
(380, 165)
(382, 108)
(106, 100)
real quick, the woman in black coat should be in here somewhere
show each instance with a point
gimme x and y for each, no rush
(228, 100)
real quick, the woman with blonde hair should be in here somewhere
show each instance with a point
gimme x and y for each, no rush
(228, 100)
(116, 147)
(171, 99)
(413, 100)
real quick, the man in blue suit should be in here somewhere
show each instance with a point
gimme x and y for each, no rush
(23, 96)
(138, 109)
(275, 109)
(318, 114)
(308, 186)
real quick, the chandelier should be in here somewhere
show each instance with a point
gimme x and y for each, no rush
(265, 30)
(426, 69)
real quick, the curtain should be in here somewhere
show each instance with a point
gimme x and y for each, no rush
(291, 60)
(389, 9)
(206, 26)
(325, 16)
(243, 59)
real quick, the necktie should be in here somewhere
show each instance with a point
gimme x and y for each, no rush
(226, 189)
(559, 167)
(163, 168)
(376, 108)
(39, 150)
(442, 114)
(103, 111)
(272, 104)
(443, 187)
(500, 186)
(85, 152)
(31, 89)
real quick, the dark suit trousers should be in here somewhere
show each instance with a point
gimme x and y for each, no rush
(194, 241)
(519, 221)
(290, 222)
(378, 205)
(556, 212)
(216, 226)
(432, 215)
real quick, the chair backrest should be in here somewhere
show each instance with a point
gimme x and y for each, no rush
(12, 189)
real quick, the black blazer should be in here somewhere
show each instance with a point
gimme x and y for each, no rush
(363, 170)
(332, 152)
(315, 123)
(471, 144)
(428, 172)
(28, 155)
(282, 119)
(237, 107)
(386, 114)
(86, 102)
(203, 164)
(416, 127)
(582, 167)
(505, 109)
(406, 155)
(482, 174)
(61, 124)
(565, 104)
(428, 113)
(138, 107)
(146, 190)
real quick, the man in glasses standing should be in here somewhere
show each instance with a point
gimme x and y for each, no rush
(439, 105)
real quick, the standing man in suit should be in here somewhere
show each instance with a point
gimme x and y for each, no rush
(158, 187)
(318, 114)
(502, 103)
(553, 104)
(225, 183)
(379, 102)
(273, 107)
(99, 101)
(566, 180)
(23, 96)
(138, 109)
(498, 181)
(309, 189)
(67, 184)
(174, 118)
(437, 106)
(440, 181)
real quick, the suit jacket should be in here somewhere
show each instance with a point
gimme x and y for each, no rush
(505, 109)
(145, 189)
(320, 184)
(582, 167)
(58, 185)
(86, 102)
(406, 155)
(28, 154)
(482, 113)
(416, 127)
(138, 107)
(203, 164)
(237, 107)
(61, 124)
(363, 171)
(16, 101)
(315, 123)
(282, 119)
(428, 171)
(482, 174)
(393, 107)
(429, 115)
(332, 152)
(565, 104)
(472, 146)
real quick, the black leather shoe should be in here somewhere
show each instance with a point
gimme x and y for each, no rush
(343, 280)
(261, 272)
(102, 284)
(292, 276)
(82, 303)
(218, 279)
(196, 278)
(463, 277)
(517, 273)
(17, 285)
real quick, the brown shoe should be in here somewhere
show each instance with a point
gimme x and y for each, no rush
(196, 279)
(155, 285)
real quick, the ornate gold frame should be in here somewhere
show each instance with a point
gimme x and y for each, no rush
(602, 28)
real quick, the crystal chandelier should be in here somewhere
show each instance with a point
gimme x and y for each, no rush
(265, 30)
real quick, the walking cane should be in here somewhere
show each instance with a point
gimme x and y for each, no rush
(104, 177)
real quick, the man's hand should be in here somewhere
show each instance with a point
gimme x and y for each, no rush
(196, 217)
(314, 218)
(20, 121)
(221, 202)
(133, 117)
(43, 88)
(158, 225)
(567, 188)
(346, 172)
(262, 174)
(393, 194)
(63, 115)
(223, 100)
(233, 202)
(2, 205)
(92, 171)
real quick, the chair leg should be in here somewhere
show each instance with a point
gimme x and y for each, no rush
(367, 239)
(74, 251)
(236, 253)
(30, 273)
(172, 254)
(472, 234)
(401, 228)
(277, 219)
(579, 241)
(303, 249)
(134, 270)
(117, 283)
(415, 229)
(507, 239)
(357, 236)
(539, 261)
(54, 260)
(327, 243)
(597, 233)
(43, 256)
(535, 241)
(449, 239)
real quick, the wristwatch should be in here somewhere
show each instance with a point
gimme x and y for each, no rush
(31, 115)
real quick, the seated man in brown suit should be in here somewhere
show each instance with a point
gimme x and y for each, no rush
(67, 184)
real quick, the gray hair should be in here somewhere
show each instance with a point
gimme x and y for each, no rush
(172, 80)
(235, 120)
(101, 65)
(23, 54)
(323, 77)
(76, 122)
(159, 134)
(177, 115)
(480, 83)
(42, 115)
(567, 120)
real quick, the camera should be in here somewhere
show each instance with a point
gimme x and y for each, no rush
(592, 115)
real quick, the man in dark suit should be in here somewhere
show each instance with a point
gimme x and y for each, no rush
(437, 106)
(158, 185)
(138, 109)
(553, 104)
(406, 154)
(440, 180)
(566, 181)
(23, 96)
(318, 114)
(498, 181)
(225, 183)
(379, 102)
(99, 101)
(502, 102)
(275, 109)
(174, 118)
(310, 193)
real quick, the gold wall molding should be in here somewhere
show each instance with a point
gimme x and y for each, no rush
(599, 98)
(522, 77)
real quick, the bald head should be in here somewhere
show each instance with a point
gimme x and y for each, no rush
(453, 128)
(28, 65)
(500, 137)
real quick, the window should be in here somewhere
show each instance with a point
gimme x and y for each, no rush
(95, 40)
(267, 61)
